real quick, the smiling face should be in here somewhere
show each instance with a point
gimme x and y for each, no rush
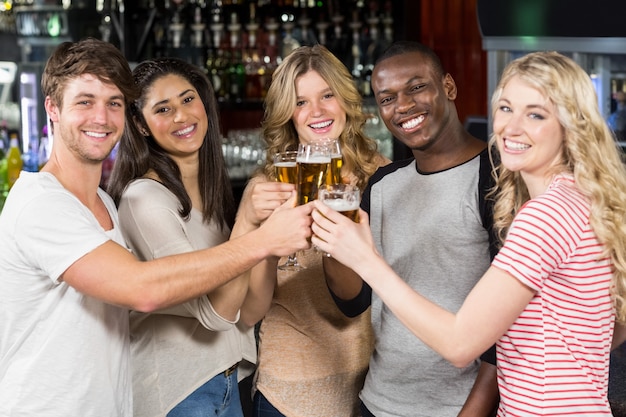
(91, 119)
(175, 116)
(528, 134)
(414, 101)
(318, 113)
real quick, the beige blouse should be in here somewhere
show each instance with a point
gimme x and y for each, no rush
(312, 359)
(176, 350)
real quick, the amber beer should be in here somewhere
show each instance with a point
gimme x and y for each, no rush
(344, 198)
(350, 209)
(286, 172)
(285, 166)
(311, 175)
(334, 170)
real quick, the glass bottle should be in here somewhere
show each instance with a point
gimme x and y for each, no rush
(14, 161)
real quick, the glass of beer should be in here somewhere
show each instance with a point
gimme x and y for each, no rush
(285, 166)
(333, 176)
(313, 161)
(287, 171)
(344, 198)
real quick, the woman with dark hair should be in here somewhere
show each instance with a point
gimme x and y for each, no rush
(174, 195)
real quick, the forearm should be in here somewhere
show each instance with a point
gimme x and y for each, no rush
(228, 298)
(260, 291)
(112, 274)
(484, 396)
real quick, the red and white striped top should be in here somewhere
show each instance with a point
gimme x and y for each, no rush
(554, 360)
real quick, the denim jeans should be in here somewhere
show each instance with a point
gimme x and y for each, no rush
(263, 408)
(217, 397)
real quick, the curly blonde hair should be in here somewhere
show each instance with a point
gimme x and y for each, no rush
(591, 154)
(360, 156)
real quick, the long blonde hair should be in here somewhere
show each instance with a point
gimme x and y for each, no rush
(360, 156)
(590, 153)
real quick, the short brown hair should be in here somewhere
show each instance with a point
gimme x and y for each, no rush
(88, 56)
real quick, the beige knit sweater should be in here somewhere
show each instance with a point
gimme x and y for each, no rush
(312, 359)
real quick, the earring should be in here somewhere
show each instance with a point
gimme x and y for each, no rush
(144, 132)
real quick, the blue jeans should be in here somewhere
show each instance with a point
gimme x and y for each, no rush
(263, 408)
(219, 397)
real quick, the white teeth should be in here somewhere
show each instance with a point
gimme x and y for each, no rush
(321, 124)
(184, 131)
(413, 122)
(96, 134)
(515, 146)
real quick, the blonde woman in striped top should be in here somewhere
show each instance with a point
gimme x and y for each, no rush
(553, 298)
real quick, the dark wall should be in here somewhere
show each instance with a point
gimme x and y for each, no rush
(561, 18)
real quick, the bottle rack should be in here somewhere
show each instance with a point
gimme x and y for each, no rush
(240, 42)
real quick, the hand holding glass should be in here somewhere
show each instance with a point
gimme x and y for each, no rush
(344, 198)
(287, 171)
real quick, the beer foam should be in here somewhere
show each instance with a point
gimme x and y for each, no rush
(285, 164)
(338, 204)
(314, 159)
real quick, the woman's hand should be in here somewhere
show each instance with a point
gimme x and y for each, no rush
(348, 242)
(262, 198)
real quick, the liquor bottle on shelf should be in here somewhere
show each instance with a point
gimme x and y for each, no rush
(235, 71)
(356, 64)
(338, 43)
(177, 28)
(373, 47)
(388, 23)
(236, 76)
(289, 42)
(216, 24)
(30, 160)
(14, 160)
(306, 37)
(321, 27)
(197, 28)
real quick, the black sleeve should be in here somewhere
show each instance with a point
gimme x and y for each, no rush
(489, 356)
(485, 184)
(356, 306)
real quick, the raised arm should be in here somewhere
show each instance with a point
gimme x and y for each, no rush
(112, 274)
(259, 200)
(460, 337)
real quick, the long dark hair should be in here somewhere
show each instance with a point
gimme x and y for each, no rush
(137, 153)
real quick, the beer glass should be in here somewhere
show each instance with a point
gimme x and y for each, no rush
(287, 171)
(333, 176)
(344, 198)
(285, 167)
(313, 161)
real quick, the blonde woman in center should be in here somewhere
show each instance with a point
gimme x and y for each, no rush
(312, 359)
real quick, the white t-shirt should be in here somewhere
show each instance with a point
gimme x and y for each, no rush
(61, 353)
